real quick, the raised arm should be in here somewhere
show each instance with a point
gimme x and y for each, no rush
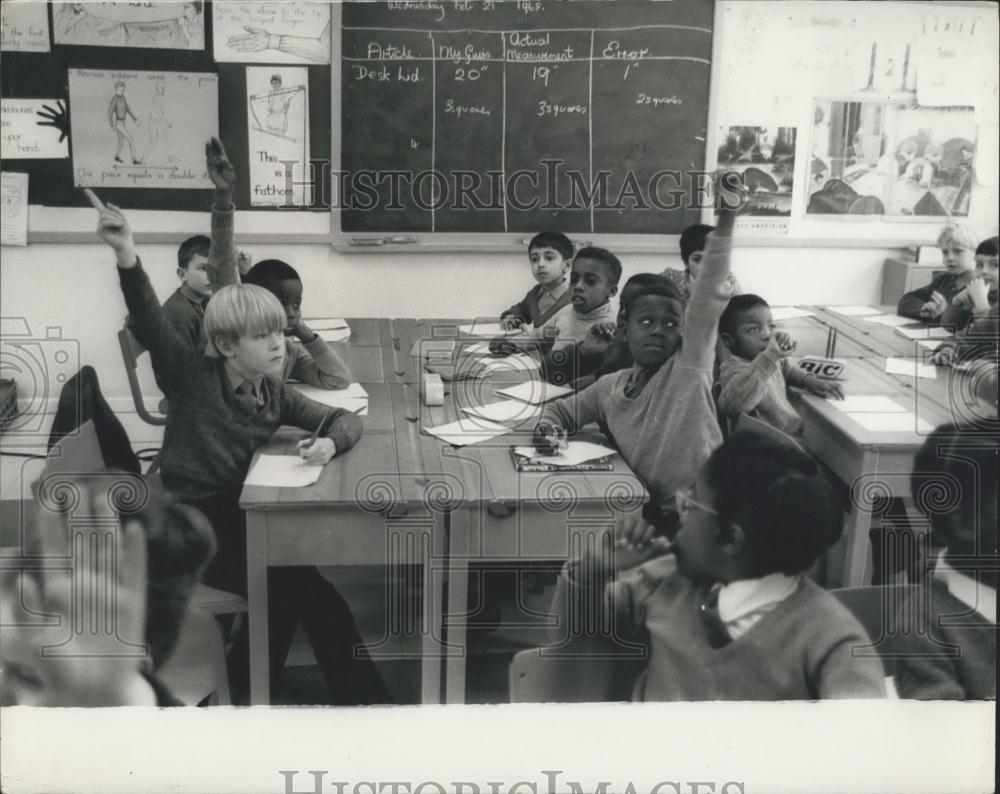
(316, 363)
(223, 258)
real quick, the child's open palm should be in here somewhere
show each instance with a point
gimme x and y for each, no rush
(220, 170)
(89, 647)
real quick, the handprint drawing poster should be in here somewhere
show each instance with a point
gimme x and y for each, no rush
(141, 129)
(294, 31)
(33, 129)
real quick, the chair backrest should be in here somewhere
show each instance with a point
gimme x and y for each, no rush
(877, 609)
(583, 671)
(78, 452)
(132, 350)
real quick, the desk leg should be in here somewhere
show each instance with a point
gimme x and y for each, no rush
(856, 568)
(432, 644)
(260, 668)
(458, 606)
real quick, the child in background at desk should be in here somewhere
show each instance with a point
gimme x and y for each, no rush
(957, 243)
(158, 555)
(692, 244)
(956, 657)
(731, 615)
(308, 358)
(225, 403)
(660, 413)
(550, 255)
(979, 295)
(593, 282)
(754, 379)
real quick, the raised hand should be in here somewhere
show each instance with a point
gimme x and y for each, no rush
(113, 228)
(782, 344)
(57, 117)
(978, 294)
(220, 170)
(632, 542)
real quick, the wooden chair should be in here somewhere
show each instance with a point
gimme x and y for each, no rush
(582, 671)
(132, 351)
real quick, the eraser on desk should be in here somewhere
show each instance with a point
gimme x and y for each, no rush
(827, 368)
(433, 389)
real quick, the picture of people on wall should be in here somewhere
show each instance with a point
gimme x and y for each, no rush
(871, 158)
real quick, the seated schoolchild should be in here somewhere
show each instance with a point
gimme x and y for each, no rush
(755, 377)
(975, 299)
(184, 310)
(947, 646)
(727, 610)
(550, 255)
(307, 356)
(660, 412)
(225, 403)
(977, 323)
(692, 245)
(957, 244)
(159, 552)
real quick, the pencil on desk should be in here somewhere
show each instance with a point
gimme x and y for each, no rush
(829, 332)
(833, 345)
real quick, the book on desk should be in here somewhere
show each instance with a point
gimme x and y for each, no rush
(523, 463)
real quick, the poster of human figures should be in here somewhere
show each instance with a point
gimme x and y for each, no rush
(872, 158)
(278, 133)
(136, 129)
(170, 25)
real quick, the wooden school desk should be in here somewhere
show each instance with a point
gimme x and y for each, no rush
(403, 495)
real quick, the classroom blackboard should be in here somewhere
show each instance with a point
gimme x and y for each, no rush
(493, 117)
(44, 76)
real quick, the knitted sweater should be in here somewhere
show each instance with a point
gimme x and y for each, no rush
(667, 431)
(529, 311)
(184, 314)
(947, 284)
(759, 387)
(799, 650)
(945, 650)
(314, 362)
(684, 282)
(209, 440)
(570, 325)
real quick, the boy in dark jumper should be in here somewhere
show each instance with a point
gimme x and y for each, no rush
(226, 402)
(929, 303)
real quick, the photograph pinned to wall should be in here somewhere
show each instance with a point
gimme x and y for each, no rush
(872, 158)
(33, 129)
(134, 129)
(24, 26)
(164, 25)
(268, 32)
(765, 158)
(278, 132)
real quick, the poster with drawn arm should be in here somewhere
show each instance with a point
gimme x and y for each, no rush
(278, 135)
(141, 129)
(167, 25)
(293, 31)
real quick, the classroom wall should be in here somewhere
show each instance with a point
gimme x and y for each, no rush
(74, 288)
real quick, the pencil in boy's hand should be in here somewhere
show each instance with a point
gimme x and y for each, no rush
(315, 435)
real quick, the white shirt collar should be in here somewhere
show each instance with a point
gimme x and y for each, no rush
(977, 595)
(740, 598)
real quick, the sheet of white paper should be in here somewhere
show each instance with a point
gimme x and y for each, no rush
(909, 367)
(354, 398)
(155, 115)
(14, 205)
(576, 453)
(487, 329)
(467, 431)
(867, 404)
(855, 311)
(788, 313)
(282, 471)
(505, 411)
(325, 323)
(278, 133)
(924, 333)
(252, 32)
(24, 26)
(892, 320)
(26, 134)
(929, 344)
(333, 334)
(535, 391)
(519, 362)
(891, 422)
(163, 25)
(478, 349)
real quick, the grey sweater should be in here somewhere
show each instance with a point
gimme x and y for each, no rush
(759, 387)
(667, 431)
(209, 440)
(800, 650)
